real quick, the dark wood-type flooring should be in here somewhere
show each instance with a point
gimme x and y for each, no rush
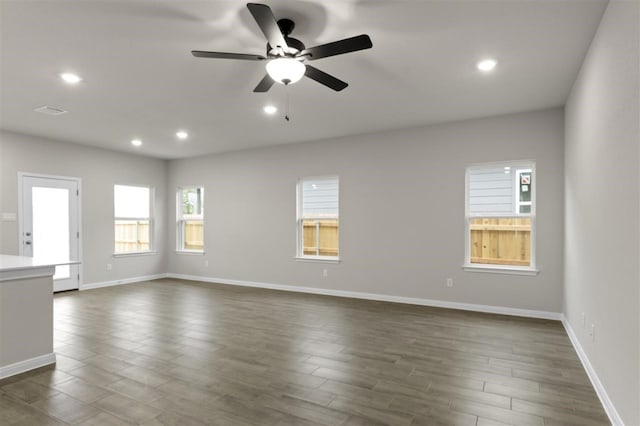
(172, 352)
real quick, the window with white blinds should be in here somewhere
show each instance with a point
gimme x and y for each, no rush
(133, 219)
(318, 218)
(500, 215)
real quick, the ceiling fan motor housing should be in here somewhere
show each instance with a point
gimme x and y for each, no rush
(286, 26)
(295, 46)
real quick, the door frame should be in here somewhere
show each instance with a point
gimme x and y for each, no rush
(78, 181)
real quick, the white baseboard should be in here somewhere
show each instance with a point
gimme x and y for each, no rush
(379, 297)
(122, 281)
(27, 365)
(609, 408)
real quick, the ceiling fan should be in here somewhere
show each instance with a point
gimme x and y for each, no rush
(286, 55)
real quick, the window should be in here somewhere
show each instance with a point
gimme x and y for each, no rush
(133, 218)
(318, 218)
(190, 218)
(500, 216)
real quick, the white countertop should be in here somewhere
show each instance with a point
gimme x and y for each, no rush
(19, 267)
(8, 262)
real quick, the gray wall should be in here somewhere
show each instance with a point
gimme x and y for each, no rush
(99, 170)
(602, 277)
(401, 212)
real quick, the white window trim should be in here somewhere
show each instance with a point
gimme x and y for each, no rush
(191, 252)
(318, 259)
(180, 218)
(152, 195)
(134, 253)
(300, 256)
(519, 203)
(501, 269)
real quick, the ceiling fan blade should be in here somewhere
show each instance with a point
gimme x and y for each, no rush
(268, 24)
(224, 55)
(339, 47)
(264, 85)
(323, 78)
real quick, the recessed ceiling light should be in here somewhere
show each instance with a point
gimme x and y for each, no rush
(270, 109)
(487, 65)
(182, 134)
(70, 78)
(136, 142)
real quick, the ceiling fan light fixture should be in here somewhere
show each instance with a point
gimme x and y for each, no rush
(285, 70)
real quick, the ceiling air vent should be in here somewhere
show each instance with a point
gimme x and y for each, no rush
(49, 110)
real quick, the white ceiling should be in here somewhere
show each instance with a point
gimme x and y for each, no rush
(140, 79)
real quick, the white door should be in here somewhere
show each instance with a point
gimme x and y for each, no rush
(50, 224)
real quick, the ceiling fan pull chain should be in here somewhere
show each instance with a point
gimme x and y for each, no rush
(286, 113)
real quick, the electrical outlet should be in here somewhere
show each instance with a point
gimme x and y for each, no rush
(206, 263)
(109, 266)
(584, 320)
(592, 332)
(325, 273)
(449, 282)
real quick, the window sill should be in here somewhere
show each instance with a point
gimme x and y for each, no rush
(190, 252)
(134, 253)
(317, 259)
(496, 269)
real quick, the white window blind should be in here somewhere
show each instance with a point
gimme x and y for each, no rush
(491, 192)
(131, 201)
(320, 198)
